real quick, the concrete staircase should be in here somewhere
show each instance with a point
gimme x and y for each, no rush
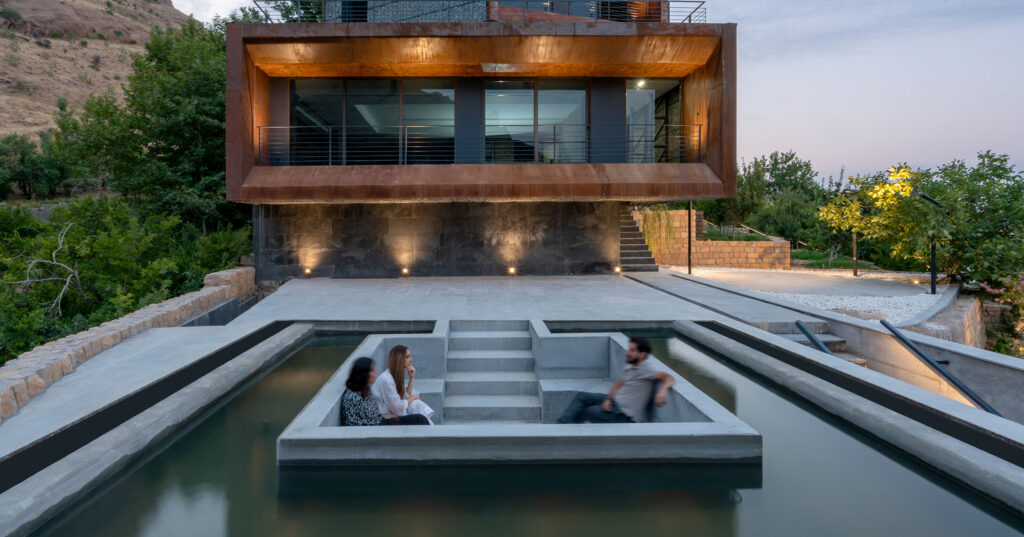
(491, 374)
(819, 328)
(633, 253)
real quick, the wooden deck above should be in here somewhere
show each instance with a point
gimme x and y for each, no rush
(479, 182)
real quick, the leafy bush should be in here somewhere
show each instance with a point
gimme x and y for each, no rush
(116, 262)
(37, 172)
(11, 15)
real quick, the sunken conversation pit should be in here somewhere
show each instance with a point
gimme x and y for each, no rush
(497, 389)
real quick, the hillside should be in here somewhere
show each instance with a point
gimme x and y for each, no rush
(69, 48)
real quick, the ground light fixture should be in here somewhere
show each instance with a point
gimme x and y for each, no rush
(308, 270)
(618, 270)
(511, 271)
(405, 271)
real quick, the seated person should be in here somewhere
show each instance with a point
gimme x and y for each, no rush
(358, 407)
(629, 398)
(396, 399)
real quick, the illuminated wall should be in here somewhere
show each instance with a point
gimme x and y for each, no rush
(435, 239)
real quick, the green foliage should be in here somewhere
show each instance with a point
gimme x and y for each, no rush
(714, 235)
(163, 149)
(978, 231)
(37, 172)
(819, 260)
(122, 261)
(11, 15)
(750, 197)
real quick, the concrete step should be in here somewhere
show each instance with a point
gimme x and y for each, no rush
(639, 268)
(491, 383)
(856, 360)
(647, 260)
(491, 407)
(490, 341)
(491, 361)
(833, 343)
(475, 325)
(638, 241)
(789, 327)
(630, 235)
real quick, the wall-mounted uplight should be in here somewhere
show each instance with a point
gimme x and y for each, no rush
(511, 271)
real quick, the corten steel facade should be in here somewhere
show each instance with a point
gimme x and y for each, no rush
(351, 175)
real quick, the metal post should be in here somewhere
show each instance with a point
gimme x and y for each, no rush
(259, 146)
(933, 265)
(854, 253)
(330, 145)
(690, 234)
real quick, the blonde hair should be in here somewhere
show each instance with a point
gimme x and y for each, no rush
(396, 365)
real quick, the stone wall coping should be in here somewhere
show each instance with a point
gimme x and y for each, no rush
(33, 371)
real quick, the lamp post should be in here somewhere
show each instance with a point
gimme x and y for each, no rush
(934, 202)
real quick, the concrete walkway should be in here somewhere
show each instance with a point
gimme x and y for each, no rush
(811, 282)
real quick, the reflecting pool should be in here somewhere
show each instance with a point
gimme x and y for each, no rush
(819, 477)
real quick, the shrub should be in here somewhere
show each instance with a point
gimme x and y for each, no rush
(13, 59)
(84, 43)
(95, 61)
(11, 15)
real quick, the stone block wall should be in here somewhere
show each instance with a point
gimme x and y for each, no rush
(961, 322)
(30, 373)
(668, 245)
(434, 239)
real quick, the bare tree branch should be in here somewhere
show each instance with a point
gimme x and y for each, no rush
(71, 276)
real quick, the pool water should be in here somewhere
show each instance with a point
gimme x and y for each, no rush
(819, 477)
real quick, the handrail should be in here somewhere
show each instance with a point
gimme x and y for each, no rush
(814, 338)
(960, 386)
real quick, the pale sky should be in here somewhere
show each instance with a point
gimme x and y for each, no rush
(865, 84)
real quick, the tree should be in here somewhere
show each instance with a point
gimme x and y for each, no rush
(36, 171)
(163, 149)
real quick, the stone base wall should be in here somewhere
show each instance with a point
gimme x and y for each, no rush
(668, 245)
(30, 373)
(434, 239)
(961, 322)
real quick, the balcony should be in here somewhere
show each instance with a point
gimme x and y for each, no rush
(673, 11)
(491, 144)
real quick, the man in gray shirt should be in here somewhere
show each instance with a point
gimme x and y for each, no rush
(629, 398)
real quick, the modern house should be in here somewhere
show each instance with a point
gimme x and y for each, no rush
(462, 137)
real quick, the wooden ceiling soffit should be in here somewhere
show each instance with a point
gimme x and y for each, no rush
(523, 55)
(480, 182)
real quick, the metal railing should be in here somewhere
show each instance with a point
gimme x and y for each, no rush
(677, 11)
(348, 145)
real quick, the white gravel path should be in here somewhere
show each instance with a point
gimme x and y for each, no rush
(894, 308)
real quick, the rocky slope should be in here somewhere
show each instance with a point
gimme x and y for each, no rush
(68, 48)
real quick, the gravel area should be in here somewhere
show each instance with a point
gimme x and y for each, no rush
(894, 308)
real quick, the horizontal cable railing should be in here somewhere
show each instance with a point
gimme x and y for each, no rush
(678, 11)
(349, 145)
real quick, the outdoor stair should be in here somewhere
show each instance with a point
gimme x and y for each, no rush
(491, 373)
(634, 256)
(820, 329)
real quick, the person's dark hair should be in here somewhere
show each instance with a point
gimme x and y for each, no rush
(359, 376)
(642, 344)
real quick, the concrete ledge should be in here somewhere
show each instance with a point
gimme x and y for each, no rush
(32, 372)
(974, 467)
(36, 499)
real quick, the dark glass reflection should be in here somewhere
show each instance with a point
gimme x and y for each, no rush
(372, 123)
(428, 115)
(509, 121)
(312, 138)
(653, 118)
(562, 121)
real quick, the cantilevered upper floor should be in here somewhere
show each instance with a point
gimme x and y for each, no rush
(514, 101)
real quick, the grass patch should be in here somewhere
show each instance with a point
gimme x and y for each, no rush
(715, 235)
(820, 260)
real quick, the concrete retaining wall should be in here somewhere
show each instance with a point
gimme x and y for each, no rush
(30, 373)
(668, 245)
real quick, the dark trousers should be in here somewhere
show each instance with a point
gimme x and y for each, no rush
(411, 419)
(586, 408)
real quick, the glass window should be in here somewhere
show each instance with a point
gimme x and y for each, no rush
(428, 114)
(312, 138)
(509, 121)
(562, 121)
(653, 120)
(372, 125)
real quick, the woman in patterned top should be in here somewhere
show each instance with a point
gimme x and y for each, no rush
(358, 407)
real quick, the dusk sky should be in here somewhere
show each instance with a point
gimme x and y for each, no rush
(865, 84)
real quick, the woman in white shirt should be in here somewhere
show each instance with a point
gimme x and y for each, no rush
(394, 396)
